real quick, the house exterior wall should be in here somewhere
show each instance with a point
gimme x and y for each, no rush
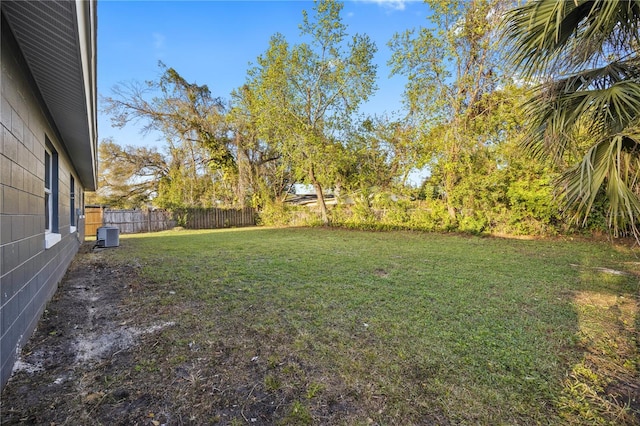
(29, 273)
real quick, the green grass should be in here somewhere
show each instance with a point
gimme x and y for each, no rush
(319, 326)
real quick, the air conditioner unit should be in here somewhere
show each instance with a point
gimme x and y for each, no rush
(108, 236)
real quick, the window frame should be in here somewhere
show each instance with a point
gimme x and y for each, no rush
(48, 198)
(72, 204)
(51, 191)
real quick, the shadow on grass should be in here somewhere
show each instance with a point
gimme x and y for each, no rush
(596, 321)
(603, 386)
(319, 326)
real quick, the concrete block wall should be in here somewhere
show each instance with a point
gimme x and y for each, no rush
(29, 273)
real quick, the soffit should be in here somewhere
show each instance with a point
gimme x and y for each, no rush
(48, 36)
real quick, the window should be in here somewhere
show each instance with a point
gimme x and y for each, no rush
(72, 204)
(48, 208)
(50, 196)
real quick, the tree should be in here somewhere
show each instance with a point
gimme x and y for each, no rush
(263, 176)
(582, 59)
(201, 159)
(128, 176)
(307, 94)
(450, 66)
(382, 155)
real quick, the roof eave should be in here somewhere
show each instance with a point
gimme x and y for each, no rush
(58, 42)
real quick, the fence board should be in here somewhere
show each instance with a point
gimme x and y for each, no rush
(136, 221)
(214, 218)
(93, 220)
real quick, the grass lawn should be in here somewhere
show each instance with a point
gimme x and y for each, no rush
(323, 326)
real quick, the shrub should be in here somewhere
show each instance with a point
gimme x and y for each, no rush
(275, 213)
(431, 215)
(474, 223)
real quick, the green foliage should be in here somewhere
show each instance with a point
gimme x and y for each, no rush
(501, 190)
(307, 93)
(275, 214)
(199, 162)
(362, 211)
(295, 121)
(475, 223)
(515, 208)
(531, 202)
(181, 218)
(431, 216)
(382, 154)
(597, 221)
(262, 174)
(452, 66)
(128, 176)
(584, 56)
(180, 188)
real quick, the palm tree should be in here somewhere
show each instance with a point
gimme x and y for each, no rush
(582, 59)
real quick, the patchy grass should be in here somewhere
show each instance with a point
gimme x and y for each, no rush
(321, 326)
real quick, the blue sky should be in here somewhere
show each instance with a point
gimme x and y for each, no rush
(213, 42)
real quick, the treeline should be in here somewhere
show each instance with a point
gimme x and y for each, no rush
(470, 104)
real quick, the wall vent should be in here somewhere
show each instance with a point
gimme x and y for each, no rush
(108, 236)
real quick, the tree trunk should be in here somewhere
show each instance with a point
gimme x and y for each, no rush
(244, 169)
(449, 185)
(321, 203)
(320, 195)
(451, 167)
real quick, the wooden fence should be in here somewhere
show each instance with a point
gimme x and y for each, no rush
(135, 221)
(213, 218)
(93, 220)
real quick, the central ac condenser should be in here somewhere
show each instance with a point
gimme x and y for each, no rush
(108, 236)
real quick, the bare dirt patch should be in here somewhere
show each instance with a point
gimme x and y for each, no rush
(86, 335)
(109, 350)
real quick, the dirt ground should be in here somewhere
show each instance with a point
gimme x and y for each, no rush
(88, 364)
(84, 336)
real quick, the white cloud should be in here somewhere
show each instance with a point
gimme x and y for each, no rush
(158, 40)
(390, 4)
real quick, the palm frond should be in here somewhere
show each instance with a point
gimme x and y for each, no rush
(583, 57)
(612, 166)
(553, 38)
(558, 108)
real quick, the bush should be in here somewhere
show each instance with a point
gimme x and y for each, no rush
(432, 216)
(526, 211)
(275, 213)
(532, 208)
(362, 212)
(475, 223)
(395, 211)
